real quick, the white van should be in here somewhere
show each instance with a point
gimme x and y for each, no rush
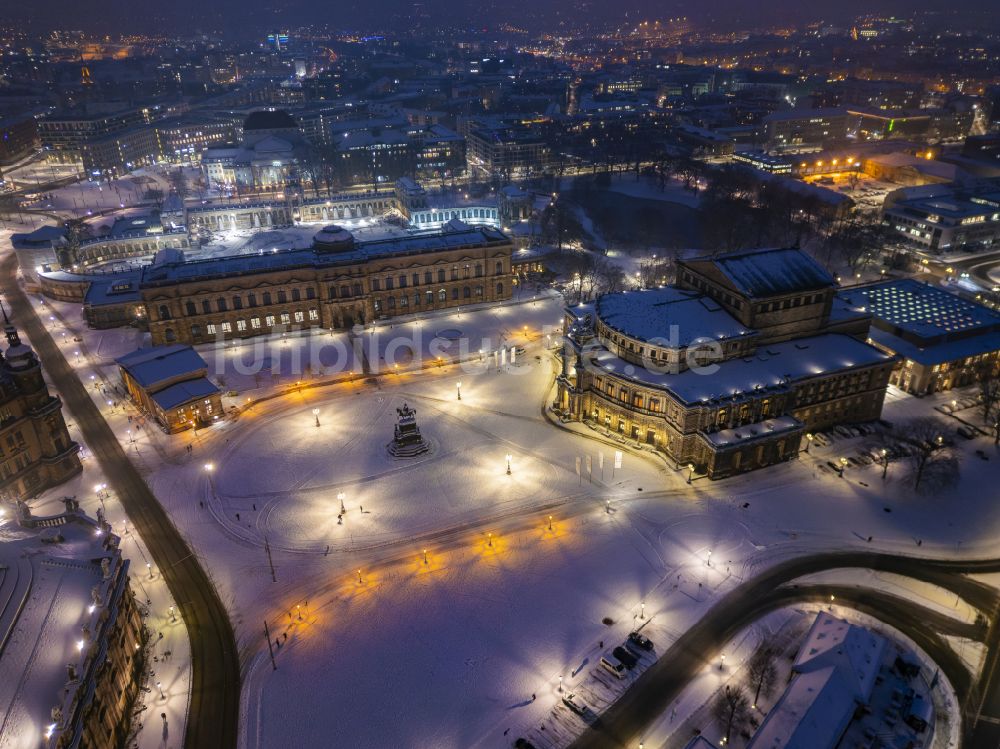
(613, 666)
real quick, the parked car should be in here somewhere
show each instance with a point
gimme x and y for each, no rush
(575, 704)
(625, 657)
(639, 640)
(613, 666)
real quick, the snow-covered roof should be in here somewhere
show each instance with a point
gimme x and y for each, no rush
(764, 273)
(854, 650)
(184, 392)
(772, 366)
(922, 310)
(234, 265)
(48, 579)
(653, 314)
(738, 436)
(158, 364)
(937, 353)
(813, 713)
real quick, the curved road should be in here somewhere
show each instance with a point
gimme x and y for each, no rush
(647, 699)
(215, 676)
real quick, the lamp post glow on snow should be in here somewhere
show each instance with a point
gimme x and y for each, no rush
(316, 415)
(160, 690)
(509, 457)
(843, 466)
(560, 683)
(708, 560)
(809, 439)
(550, 522)
(642, 610)
(340, 496)
(149, 567)
(458, 388)
(425, 556)
(690, 472)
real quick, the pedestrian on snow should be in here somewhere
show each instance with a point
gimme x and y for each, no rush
(237, 516)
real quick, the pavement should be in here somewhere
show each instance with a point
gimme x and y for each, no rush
(215, 673)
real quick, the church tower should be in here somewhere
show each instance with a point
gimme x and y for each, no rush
(36, 451)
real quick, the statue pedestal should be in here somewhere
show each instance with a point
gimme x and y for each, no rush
(407, 442)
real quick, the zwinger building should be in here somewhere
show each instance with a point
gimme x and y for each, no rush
(726, 370)
(335, 284)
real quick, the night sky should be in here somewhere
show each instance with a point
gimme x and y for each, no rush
(250, 16)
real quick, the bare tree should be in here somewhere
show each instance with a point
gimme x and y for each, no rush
(731, 708)
(932, 461)
(761, 673)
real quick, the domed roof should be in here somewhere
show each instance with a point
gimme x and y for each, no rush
(269, 119)
(333, 238)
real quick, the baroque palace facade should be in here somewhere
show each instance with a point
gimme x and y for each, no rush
(729, 368)
(335, 284)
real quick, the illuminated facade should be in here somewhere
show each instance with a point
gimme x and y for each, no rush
(727, 370)
(333, 285)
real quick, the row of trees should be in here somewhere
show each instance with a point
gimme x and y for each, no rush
(733, 706)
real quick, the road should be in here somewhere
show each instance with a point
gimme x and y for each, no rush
(215, 675)
(623, 723)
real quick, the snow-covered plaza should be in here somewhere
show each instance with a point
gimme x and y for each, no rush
(451, 597)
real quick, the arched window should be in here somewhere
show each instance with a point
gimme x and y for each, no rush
(454, 273)
(267, 298)
(479, 291)
(169, 335)
(220, 304)
(345, 290)
(296, 295)
(442, 296)
(164, 312)
(479, 270)
(282, 296)
(428, 277)
(357, 289)
(310, 293)
(252, 298)
(332, 292)
(237, 302)
(499, 268)
(196, 331)
(466, 293)
(206, 306)
(454, 293)
(499, 289)
(189, 308)
(390, 303)
(441, 275)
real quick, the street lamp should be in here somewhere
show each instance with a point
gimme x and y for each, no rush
(550, 522)
(809, 439)
(316, 415)
(843, 466)
(161, 690)
(425, 556)
(560, 683)
(708, 561)
(340, 496)
(149, 567)
(885, 461)
(690, 472)
(458, 387)
(509, 456)
(642, 610)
